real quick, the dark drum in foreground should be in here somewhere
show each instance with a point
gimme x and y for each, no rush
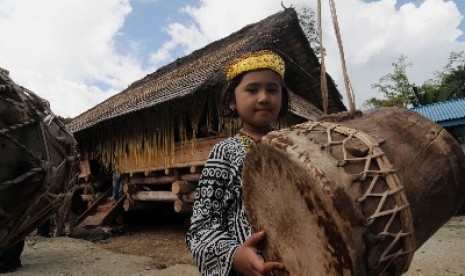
(353, 196)
(39, 161)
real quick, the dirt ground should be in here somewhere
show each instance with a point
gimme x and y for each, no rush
(159, 249)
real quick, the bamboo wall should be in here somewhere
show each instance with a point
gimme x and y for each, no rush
(162, 136)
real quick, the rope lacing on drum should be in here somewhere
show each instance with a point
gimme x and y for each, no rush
(18, 125)
(403, 238)
(20, 178)
(4, 133)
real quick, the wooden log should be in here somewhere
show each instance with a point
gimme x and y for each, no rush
(130, 188)
(191, 177)
(153, 180)
(127, 204)
(190, 197)
(182, 187)
(181, 206)
(132, 205)
(195, 169)
(162, 196)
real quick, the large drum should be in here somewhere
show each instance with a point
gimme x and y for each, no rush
(353, 197)
(39, 161)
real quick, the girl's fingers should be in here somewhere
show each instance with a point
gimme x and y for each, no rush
(255, 239)
(270, 266)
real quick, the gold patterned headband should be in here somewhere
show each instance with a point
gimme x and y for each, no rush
(264, 59)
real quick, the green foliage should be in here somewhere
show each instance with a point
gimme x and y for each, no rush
(395, 87)
(447, 85)
(452, 79)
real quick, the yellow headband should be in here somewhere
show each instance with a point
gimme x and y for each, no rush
(264, 59)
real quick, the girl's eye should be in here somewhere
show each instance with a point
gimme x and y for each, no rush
(272, 89)
(256, 88)
(252, 89)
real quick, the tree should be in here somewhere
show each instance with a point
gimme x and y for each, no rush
(448, 84)
(395, 86)
(452, 79)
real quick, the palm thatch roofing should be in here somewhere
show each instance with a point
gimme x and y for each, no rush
(203, 70)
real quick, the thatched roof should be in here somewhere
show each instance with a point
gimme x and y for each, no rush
(203, 69)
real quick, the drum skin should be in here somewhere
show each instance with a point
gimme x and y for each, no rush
(39, 161)
(353, 196)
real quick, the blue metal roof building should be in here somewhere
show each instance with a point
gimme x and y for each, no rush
(450, 115)
(446, 114)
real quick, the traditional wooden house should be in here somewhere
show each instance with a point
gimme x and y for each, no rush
(160, 130)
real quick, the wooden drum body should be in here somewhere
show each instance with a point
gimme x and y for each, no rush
(39, 162)
(353, 197)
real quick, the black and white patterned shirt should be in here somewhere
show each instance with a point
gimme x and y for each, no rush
(219, 224)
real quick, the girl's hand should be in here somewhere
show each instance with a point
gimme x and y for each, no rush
(247, 261)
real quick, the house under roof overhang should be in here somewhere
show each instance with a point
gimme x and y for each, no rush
(174, 103)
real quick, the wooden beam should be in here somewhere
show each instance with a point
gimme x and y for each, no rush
(162, 196)
(132, 205)
(153, 180)
(191, 177)
(190, 197)
(182, 187)
(195, 169)
(181, 206)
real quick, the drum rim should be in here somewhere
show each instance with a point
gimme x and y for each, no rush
(405, 238)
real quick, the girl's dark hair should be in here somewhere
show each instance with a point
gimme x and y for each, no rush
(228, 96)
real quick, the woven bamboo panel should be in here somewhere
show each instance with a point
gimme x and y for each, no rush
(185, 154)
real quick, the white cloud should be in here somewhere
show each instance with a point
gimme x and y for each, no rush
(426, 34)
(217, 19)
(374, 35)
(186, 38)
(64, 50)
(213, 20)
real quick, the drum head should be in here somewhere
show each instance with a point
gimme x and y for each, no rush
(287, 202)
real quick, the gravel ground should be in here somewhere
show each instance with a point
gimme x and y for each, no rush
(443, 253)
(156, 250)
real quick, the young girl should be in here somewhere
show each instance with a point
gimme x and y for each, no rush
(220, 237)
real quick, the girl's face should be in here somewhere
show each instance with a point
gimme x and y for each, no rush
(258, 99)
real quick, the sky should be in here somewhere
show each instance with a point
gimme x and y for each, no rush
(77, 53)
